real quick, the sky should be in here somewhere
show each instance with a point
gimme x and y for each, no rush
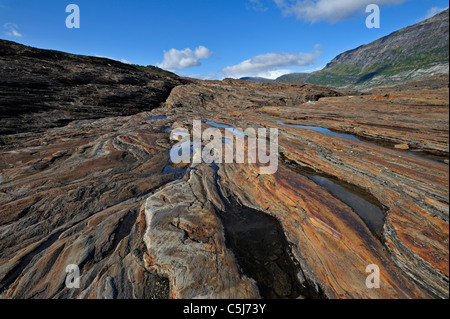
(210, 39)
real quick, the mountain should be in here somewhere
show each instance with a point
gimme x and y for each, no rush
(412, 53)
(257, 79)
(293, 78)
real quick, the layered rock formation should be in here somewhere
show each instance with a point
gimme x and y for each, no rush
(103, 194)
(409, 186)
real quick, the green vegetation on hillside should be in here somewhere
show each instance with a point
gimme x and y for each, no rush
(154, 69)
(415, 52)
(293, 78)
(403, 68)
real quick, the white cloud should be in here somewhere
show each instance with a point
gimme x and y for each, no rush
(107, 57)
(208, 76)
(11, 30)
(274, 74)
(184, 59)
(256, 5)
(313, 70)
(126, 61)
(432, 12)
(331, 11)
(268, 65)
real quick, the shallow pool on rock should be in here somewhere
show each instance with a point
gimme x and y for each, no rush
(157, 118)
(364, 204)
(414, 152)
(321, 130)
(371, 214)
(262, 250)
(231, 128)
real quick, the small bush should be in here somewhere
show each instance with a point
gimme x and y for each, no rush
(5, 140)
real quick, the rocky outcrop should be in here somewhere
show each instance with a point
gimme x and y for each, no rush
(241, 94)
(74, 196)
(409, 186)
(41, 89)
(102, 194)
(186, 242)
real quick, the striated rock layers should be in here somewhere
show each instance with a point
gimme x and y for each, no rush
(183, 233)
(410, 187)
(102, 194)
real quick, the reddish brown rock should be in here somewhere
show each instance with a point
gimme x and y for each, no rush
(404, 147)
(74, 196)
(186, 242)
(411, 187)
(102, 194)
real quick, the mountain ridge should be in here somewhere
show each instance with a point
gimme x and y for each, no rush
(411, 53)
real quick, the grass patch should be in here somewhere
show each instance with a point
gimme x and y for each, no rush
(154, 69)
(5, 140)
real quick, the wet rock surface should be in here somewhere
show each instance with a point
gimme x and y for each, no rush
(262, 250)
(102, 194)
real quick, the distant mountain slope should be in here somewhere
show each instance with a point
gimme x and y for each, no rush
(293, 77)
(415, 52)
(257, 79)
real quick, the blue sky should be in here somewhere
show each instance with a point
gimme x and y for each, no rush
(210, 39)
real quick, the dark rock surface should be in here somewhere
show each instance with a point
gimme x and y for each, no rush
(40, 89)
